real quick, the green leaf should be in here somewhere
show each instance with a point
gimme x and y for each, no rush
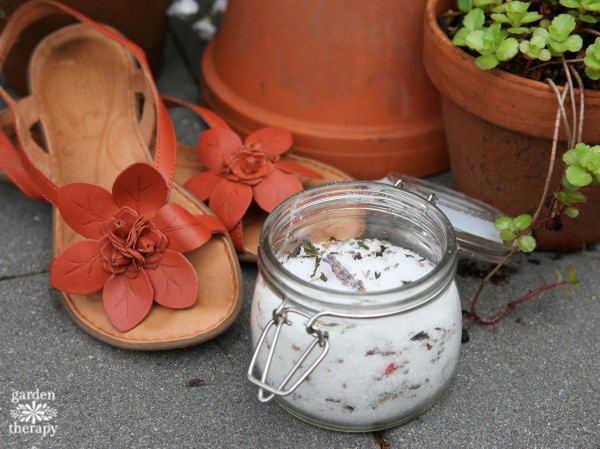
(503, 223)
(474, 20)
(526, 243)
(507, 235)
(465, 5)
(522, 222)
(530, 17)
(574, 43)
(572, 212)
(475, 40)
(562, 25)
(570, 3)
(487, 62)
(570, 158)
(587, 18)
(507, 49)
(459, 37)
(572, 277)
(578, 176)
(592, 73)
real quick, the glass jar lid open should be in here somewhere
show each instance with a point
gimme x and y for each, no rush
(473, 220)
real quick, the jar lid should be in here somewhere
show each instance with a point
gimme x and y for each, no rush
(473, 220)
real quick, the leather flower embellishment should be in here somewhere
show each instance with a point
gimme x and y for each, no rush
(135, 246)
(239, 172)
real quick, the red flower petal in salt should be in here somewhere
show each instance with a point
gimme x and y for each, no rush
(275, 188)
(85, 208)
(230, 201)
(127, 300)
(216, 143)
(296, 169)
(141, 187)
(174, 281)
(203, 184)
(183, 231)
(276, 140)
(79, 269)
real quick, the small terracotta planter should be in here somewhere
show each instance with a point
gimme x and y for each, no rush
(499, 129)
(346, 77)
(142, 21)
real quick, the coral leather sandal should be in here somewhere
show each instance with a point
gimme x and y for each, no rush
(243, 181)
(121, 226)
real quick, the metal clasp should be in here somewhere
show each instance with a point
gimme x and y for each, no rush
(401, 184)
(280, 319)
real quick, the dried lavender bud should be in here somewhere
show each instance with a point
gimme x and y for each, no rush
(379, 253)
(323, 277)
(357, 256)
(343, 274)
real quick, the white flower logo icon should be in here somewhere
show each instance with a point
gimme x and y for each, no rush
(33, 413)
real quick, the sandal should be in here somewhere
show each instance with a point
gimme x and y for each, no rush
(244, 181)
(124, 228)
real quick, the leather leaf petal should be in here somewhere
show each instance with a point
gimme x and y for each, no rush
(276, 140)
(296, 169)
(203, 184)
(85, 208)
(215, 143)
(174, 281)
(275, 188)
(230, 201)
(127, 300)
(141, 187)
(78, 269)
(183, 231)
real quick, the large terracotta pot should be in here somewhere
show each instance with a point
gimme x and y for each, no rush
(345, 76)
(142, 21)
(499, 128)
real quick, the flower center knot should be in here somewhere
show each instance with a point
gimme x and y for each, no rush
(132, 241)
(249, 164)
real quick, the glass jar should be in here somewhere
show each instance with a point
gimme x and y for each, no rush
(348, 360)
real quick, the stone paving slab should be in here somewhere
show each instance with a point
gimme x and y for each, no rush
(531, 381)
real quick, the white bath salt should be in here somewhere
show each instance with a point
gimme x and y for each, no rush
(378, 372)
(376, 263)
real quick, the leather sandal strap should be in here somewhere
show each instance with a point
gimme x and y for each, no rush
(213, 121)
(10, 160)
(166, 142)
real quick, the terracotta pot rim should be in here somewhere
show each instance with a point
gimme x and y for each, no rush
(430, 17)
(226, 98)
(449, 58)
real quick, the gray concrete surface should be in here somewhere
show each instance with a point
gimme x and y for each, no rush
(529, 382)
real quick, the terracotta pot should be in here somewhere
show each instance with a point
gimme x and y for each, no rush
(499, 129)
(345, 77)
(142, 21)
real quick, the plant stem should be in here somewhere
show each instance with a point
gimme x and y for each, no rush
(514, 249)
(561, 108)
(513, 304)
(589, 30)
(581, 103)
(572, 96)
(568, 61)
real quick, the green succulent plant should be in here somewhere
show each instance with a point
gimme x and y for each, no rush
(560, 38)
(473, 21)
(516, 14)
(468, 5)
(585, 9)
(517, 228)
(592, 60)
(535, 48)
(493, 44)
